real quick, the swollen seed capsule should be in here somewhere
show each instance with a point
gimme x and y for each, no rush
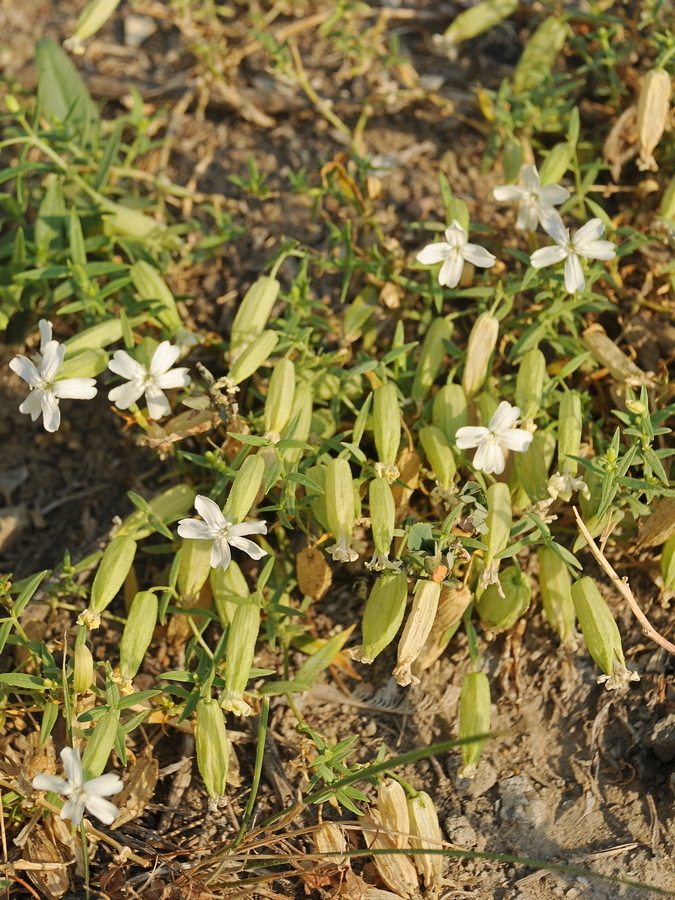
(569, 432)
(382, 616)
(253, 356)
(387, 428)
(451, 607)
(95, 14)
(393, 809)
(557, 163)
(137, 635)
(502, 604)
(279, 400)
(244, 489)
(100, 745)
(601, 634)
(498, 523)
(151, 286)
(211, 745)
(340, 510)
(318, 504)
(555, 586)
(530, 383)
(382, 517)
(439, 454)
(532, 466)
(450, 410)
(330, 838)
(395, 869)
(241, 642)
(427, 836)
(83, 669)
(302, 412)
(540, 53)
(475, 21)
(653, 110)
(253, 313)
(481, 346)
(416, 631)
(112, 571)
(87, 364)
(194, 568)
(474, 719)
(431, 358)
(225, 584)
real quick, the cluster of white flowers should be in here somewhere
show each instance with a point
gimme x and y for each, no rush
(537, 207)
(46, 389)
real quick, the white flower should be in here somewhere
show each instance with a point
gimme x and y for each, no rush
(536, 202)
(151, 381)
(499, 434)
(453, 253)
(381, 561)
(82, 794)
(224, 534)
(45, 390)
(584, 243)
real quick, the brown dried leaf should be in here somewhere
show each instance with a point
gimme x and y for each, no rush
(660, 525)
(314, 573)
(408, 464)
(52, 880)
(138, 789)
(605, 351)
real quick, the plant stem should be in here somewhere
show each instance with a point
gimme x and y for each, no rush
(257, 771)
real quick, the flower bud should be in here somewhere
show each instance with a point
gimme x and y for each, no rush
(382, 517)
(474, 719)
(382, 616)
(450, 410)
(83, 669)
(211, 744)
(431, 358)
(100, 745)
(668, 564)
(481, 346)
(226, 584)
(244, 489)
(279, 400)
(539, 55)
(151, 286)
(137, 635)
(501, 604)
(557, 162)
(241, 642)
(439, 455)
(555, 586)
(393, 809)
(253, 357)
(601, 634)
(330, 838)
(194, 567)
(530, 383)
(395, 869)
(253, 313)
(498, 524)
(474, 21)
(171, 504)
(427, 836)
(387, 428)
(653, 110)
(113, 569)
(532, 466)
(93, 17)
(416, 631)
(340, 509)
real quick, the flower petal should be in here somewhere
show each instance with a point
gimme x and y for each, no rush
(51, 414)
(527, 218)
(531, 179)
(554, 226)
(158, 405)
(104, 810)
(242, 543)
(598, 250)
(591, 231)
(25, 369)
(103, 786)
(74, 809)
(45, 327)
(553, 195)
(451, 271)
(547, 256)
(163, 358)
(489, 458)
(49, 783)
(433, 253)
(516, 439)
(478, 255)
(32, 405)
(51, 360)
(574, 274)
(126, 394)
(194, 530)
(469, 436)
(126, 366)
(211, 513)
(505, 193)
(455, 234)
(221, 555)
(504, 417)
(75, 388)
(72, 766)
(174, 379)
(257, 527)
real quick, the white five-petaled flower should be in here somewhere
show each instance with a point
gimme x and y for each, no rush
(82, 794)
(453, 252)
(500, 434)
(224, 534)
(45, 390)
(584, 243)
(151, 381)
(536, 202)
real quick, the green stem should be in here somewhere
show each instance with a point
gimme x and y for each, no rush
(85, 857)
(257, 771)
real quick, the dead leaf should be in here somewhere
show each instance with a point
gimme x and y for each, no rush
(314, 573)
(138, 789)
(52, 880)
(408, 464)
(660, 525)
